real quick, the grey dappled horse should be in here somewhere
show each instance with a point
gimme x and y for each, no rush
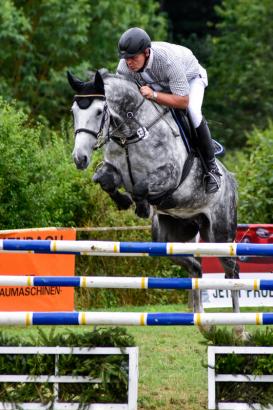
(144, 153)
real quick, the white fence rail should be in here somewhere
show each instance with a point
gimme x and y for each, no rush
(55, 379)
(214, 378)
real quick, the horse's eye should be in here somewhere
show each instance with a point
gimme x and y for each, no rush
(99, 112)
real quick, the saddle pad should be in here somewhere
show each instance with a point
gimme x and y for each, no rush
(219, 150)
(181, 121)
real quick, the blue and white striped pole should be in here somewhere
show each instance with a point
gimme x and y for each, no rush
(133, 318)
(136, 248)
(137, 282)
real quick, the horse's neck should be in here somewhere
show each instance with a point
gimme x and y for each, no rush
(123, 97)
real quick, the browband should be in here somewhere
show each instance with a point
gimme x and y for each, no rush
(89, 95)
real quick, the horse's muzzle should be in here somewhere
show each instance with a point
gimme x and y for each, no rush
(81, 163)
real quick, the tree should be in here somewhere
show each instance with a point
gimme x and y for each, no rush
(253, 167)
(241, 92)
(41, 40)
(191, 22)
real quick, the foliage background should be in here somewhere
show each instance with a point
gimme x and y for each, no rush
(40, 40)
(241, 94)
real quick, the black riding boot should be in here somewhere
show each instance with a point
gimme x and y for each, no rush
(212, 177)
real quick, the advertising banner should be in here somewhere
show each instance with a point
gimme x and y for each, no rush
(39, 299)
(251, 267)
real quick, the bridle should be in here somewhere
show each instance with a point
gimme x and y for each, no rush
(124, 140)
(105, 115)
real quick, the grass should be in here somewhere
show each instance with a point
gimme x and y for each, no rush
(172, 363)
(170, 367)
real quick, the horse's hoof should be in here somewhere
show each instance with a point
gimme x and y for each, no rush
(241, 333)
(205, 329)
(143, 209)
(123, 202)
(140, 191)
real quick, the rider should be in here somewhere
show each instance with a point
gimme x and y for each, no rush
(170, 75)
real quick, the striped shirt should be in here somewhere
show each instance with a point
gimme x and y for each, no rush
(170, 67)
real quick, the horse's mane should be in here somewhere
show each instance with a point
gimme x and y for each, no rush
(125, 77)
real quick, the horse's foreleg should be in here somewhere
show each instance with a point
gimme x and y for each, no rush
(110, 180)
(140, 192)
(122, 200)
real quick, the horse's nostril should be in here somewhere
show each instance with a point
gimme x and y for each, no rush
(81, 162)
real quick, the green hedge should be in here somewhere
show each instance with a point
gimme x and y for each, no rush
(112, 369)
(243, 364)
(39, 185)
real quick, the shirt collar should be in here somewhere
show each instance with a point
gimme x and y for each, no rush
(150, 60)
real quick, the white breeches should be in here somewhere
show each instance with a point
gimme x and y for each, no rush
(197, 89)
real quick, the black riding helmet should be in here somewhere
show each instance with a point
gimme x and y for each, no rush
(134, 41)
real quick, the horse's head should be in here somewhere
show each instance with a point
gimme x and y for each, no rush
(90, 115)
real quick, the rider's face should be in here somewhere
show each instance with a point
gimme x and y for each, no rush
(137, 62)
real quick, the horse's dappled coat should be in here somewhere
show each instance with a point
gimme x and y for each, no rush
(156, 163)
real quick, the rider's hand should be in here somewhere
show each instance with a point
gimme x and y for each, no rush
(146, 91)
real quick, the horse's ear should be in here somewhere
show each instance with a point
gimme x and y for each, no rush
(74, 82)
(99, 84)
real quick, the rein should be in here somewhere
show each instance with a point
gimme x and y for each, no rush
(125, 141)
(141, 132)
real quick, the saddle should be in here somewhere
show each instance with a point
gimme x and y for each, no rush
(188, 134)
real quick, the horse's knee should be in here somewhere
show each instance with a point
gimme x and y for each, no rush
(108, 178)
(140, 191)
(123, 201)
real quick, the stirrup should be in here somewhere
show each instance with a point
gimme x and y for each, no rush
(212, 181)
